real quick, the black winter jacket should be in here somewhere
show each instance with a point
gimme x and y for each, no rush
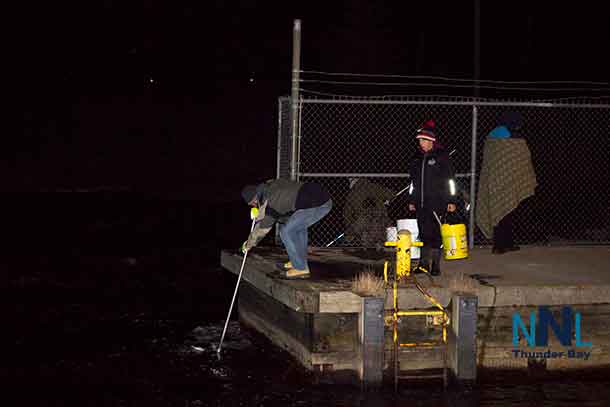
(432, 178)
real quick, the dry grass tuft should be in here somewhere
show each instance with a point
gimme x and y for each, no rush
(460, 282)
(367, 284)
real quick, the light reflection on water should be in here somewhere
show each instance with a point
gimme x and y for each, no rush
(256, 373)
(138, 335)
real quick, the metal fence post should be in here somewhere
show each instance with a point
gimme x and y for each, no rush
(473, 175)
(298, 158)
(294, 99)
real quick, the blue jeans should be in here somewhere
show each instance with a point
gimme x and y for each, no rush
(294, 232)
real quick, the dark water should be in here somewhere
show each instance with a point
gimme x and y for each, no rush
(119, 321)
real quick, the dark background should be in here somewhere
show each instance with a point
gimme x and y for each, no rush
(179, 99)
(133, 125)
(169, 108)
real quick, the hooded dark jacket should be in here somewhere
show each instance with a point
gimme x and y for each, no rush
(433, 183)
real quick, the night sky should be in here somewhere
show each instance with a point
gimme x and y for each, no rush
(180, 98)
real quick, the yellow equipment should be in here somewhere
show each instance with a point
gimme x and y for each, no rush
(455, 241)
(403, 269)
(403, 253)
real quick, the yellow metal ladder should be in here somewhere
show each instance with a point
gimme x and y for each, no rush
(402, 271)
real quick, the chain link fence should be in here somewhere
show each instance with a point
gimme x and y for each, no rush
(339, 140)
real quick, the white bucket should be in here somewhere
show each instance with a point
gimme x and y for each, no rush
(411, 226)
(391, 234)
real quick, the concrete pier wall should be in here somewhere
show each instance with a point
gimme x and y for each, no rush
(318, 320)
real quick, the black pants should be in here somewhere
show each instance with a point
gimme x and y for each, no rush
(503, 233)
(429, 228)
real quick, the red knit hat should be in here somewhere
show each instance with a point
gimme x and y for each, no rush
(427, 131)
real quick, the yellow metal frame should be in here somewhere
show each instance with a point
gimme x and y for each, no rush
(403, 253)
(403, 269)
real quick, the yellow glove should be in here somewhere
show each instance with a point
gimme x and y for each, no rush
(243, 248)
(254, 213)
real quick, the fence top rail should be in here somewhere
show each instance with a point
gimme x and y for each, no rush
(366, 175)
(455, 103)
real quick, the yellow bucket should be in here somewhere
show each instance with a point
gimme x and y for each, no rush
(455, 242)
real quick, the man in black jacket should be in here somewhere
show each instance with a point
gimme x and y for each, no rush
(432, 192)
(295, 206)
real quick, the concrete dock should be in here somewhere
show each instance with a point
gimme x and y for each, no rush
(317, 319)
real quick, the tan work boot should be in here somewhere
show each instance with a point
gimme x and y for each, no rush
(296, 273)
(282, 267)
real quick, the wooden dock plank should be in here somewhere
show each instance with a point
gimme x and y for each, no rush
(258, 273)
(329, 287)
(301, 295)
